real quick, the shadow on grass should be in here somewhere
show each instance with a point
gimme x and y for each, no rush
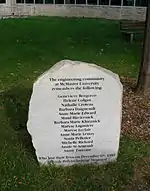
(16, 103)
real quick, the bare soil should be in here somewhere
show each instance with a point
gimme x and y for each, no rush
(136, 111)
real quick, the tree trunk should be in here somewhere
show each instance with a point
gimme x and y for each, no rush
(144, 75)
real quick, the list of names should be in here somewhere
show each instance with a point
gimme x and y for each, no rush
(77, 112)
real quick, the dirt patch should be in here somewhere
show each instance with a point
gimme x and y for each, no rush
(136, 111)
(141, 178)
(142, 170)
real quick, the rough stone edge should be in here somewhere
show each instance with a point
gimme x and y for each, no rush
(61, 63)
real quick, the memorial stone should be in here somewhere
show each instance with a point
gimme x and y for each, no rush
(75, 114)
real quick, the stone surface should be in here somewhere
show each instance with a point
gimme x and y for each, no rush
(75, 114)
(106, 11)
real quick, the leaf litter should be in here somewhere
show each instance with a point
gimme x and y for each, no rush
(135, 111)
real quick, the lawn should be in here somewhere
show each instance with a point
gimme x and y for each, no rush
(30, 46)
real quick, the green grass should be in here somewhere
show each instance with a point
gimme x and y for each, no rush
(28, 47)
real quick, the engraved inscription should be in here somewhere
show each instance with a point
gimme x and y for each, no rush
(77, 113)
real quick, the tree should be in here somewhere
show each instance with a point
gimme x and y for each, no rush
(144, 75)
